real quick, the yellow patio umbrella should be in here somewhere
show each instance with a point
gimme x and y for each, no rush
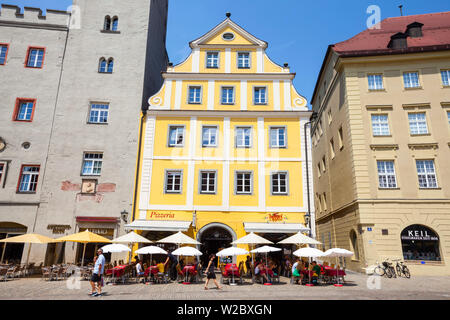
(29, 238)
(85, 237)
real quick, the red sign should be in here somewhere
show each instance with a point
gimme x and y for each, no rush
(275, 217)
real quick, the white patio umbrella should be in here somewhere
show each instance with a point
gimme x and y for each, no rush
(298, 239)
(252, 239)
(179, 238)
(308, 253)
(338, 252)
(115, 247)
(151, 250)
(187, 252)
(130, 239)
(232, 251)
(265, 249)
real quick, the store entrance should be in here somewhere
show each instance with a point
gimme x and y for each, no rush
(213, 240)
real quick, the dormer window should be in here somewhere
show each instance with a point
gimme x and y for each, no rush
(414, 30)
(228, 36)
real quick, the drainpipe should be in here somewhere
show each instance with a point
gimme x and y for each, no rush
(136, 186)
(308, 215)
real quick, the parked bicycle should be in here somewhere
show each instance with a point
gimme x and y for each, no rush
(402, 269)
(385, 269)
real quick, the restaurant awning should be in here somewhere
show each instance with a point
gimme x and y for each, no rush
(158, 225)
(274, 227)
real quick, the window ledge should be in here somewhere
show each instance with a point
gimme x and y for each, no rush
(110, 31)
(421, 135)
(98, 123)
(438, 188)
(388, 188)
(377, 90)
(26, 192)
(413, 88)
(383, 136)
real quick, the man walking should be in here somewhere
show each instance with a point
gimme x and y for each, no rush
(97, 274)
(173, 265)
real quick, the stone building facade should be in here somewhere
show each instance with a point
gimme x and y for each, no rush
(73, 85)
(381, 145)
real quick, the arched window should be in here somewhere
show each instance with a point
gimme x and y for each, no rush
(110, 65)
(107, 25)
(102, 65)
(420, 243)
(354, 244)
(115, 24)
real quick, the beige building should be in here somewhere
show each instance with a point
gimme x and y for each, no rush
(381, 145)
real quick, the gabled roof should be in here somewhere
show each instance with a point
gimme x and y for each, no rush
(223, 25)
(435, 28)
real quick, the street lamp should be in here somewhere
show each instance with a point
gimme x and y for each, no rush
(124, 216)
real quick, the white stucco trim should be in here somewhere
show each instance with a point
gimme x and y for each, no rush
(261, 165)
(178, 93)
(287, 95)
(276, 95)
(223, 208)
(226, 164)
(259, 60)
(211, 89)
(196, 60)
(244, 95)
(191, 165)
(227, 60)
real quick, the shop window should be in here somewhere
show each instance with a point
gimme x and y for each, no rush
(420, 243)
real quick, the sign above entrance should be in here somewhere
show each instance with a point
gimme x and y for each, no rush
(169, 215)
(418, 232)
(276, 217)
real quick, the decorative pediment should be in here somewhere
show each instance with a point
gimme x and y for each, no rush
(384, 147)
(228, 33)
(423, 146)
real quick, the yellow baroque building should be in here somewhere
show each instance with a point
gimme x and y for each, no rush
(223, 150)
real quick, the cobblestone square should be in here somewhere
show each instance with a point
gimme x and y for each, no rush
(419, 287)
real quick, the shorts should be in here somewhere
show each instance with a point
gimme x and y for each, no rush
(96, 278)
(211, 275)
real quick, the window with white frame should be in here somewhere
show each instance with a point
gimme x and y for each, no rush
(278, 137)
(24, 110)
(243, 182)
(375, 81)
(173, 181)
(243, 137)
(411, 80)
(227, 95)
(28, 178)
(445, 74)
(212, 60)
(209, 136)
(279, 183)
(243, 60)
(208, 181)
(98, 113)
(426, 173)
(418, 123)
(386, 175)
(380, 125)
(195, 94)
(176, 136)
(92, 164)
(35, 57)
(260, 95)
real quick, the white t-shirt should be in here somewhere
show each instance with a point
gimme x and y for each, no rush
(294, 267)
(139, 268)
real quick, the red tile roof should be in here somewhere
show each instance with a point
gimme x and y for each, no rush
(436, 36)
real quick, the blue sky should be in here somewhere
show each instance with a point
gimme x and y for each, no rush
(298, 31)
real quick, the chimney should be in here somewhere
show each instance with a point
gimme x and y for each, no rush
(398, 41)
(414, 30)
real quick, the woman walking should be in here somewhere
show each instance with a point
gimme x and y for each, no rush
(211, 273)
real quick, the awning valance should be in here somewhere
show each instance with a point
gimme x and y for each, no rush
(274, 227)
(158, 225)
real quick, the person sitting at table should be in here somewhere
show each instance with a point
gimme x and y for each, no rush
(139, 270)
(260, 270)
(181, 262)
(248, 266)
(316, 271)
(297, 269)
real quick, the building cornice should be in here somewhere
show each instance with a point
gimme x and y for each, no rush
(225, 113)
(31, 25)
(227, 76)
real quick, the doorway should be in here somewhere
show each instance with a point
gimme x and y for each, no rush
(214, 237)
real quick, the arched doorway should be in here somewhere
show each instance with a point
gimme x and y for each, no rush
(214, 237)
(420, 243)
(11, 252)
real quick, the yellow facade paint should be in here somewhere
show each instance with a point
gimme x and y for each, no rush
(215, 148)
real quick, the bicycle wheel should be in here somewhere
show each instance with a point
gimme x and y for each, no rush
(388, 272)
(399, 270)
(394, 275)
(379, 271)
(406, 272)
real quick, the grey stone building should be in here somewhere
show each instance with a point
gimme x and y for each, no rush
(72, 87)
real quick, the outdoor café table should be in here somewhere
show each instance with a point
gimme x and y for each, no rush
(117, 272)
(231, 269)
(334, 272)
(186, 270)
(152, 270)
